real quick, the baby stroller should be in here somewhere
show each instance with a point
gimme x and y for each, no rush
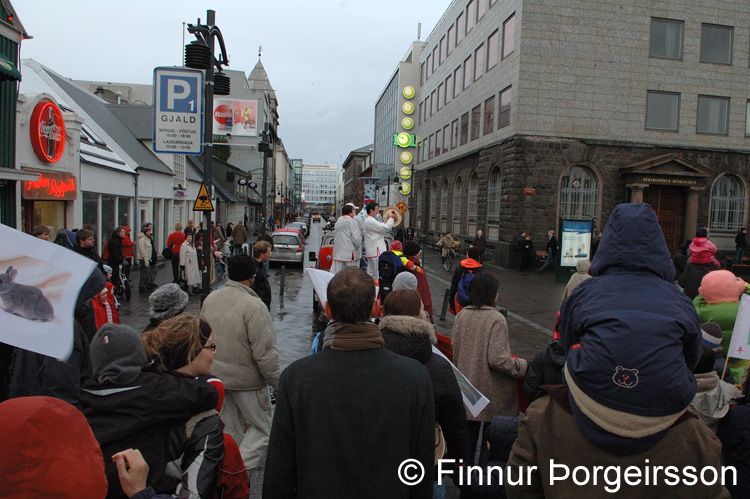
(122, 289)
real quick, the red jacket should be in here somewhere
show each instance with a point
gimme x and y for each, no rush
(127, 244)
(423, 289)
(105, 308)
(175, 240)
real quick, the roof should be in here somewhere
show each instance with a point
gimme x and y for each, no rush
(258, 80)
(129, 93)
(220, 189)
(98, 110)
(362, 151)
(138, 118)
(16, 23)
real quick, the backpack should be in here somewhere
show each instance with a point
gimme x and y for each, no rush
(462, 292)
(389, 265)
(65, 238)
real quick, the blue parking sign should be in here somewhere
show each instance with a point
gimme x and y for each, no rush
(178, 110)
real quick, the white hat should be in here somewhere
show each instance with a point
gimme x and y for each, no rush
(352, 205)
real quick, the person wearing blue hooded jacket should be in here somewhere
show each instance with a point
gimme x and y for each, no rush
(632, 339)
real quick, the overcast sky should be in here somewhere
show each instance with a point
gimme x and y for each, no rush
(328, 60)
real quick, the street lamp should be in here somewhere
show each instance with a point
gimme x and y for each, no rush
(199, 54)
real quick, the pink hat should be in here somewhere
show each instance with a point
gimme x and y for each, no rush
(700, 244)
(721, 285)
(396, 246)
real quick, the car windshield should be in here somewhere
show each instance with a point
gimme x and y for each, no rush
(284, 239)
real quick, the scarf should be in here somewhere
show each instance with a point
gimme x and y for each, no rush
(362, 336)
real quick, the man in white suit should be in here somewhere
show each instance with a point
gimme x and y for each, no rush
(374, 240)
(347, 240)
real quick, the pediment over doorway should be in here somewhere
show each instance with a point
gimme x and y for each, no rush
(673, 164)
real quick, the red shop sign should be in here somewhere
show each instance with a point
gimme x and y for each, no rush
(47, 131)
(50, 186)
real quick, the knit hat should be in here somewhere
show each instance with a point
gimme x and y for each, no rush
(241, 268)
(721, 285)
(117, 354)
(700, 244)
(167, 301)
(396, 246)
(405, 280)
(711, 334)
(473, 253)
(107, 269)
(411, 248)
(701, 232)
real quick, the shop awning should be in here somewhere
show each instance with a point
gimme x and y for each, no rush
(18, 175)
(253, 197)
(8, 70)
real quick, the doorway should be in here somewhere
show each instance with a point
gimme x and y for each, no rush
(668, 203)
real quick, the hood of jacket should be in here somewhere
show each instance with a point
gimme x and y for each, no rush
(408, 336)
(633, 241)
(470, 263)
(141, 235)
(583, 267)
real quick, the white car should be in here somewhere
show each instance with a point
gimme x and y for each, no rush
(288, 247)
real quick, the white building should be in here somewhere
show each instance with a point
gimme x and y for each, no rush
(319, 187)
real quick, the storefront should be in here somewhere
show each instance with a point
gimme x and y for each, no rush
(47, 200)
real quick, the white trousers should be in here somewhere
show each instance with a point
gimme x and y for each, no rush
(372, 267)
(247, 416)
(339, 265)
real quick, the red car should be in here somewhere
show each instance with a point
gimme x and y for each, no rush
(295, 231)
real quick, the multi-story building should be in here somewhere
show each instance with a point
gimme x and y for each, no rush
(297, 201)
(356, 163)
(533, 112)
(319, 187)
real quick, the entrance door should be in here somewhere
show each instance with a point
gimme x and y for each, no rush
(667, 202)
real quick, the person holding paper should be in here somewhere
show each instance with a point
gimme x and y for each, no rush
(482, 352)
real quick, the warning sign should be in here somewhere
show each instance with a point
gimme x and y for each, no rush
(401, 207)
(203, 201)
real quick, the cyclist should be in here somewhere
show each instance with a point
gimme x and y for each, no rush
(447, 243)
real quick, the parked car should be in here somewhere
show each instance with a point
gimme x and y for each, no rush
(325, 255)
(294, 230)
(302, 226)
(288, 247)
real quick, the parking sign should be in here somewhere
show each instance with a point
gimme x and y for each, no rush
(178, 110)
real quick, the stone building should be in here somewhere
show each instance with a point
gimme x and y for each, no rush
(533, 112)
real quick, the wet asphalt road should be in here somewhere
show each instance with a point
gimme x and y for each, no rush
(532, 300)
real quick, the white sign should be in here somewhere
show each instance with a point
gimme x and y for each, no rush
(740, 344)
(178, 111)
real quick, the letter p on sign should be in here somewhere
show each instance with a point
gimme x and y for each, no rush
(176, 90)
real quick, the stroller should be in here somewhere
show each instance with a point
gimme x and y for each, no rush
(122, 289)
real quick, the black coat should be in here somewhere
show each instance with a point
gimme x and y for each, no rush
(734, 433)
(114, 247)
(545, 369)
(90, 253)
(501, 434)
(260, 284)
(551, 245)
(691, 277)
(480, 243)
(413, 337)
(345, 420)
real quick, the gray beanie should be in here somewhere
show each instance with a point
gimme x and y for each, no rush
(117, 354)
(405, 280)
(711, 333)
(167, 301)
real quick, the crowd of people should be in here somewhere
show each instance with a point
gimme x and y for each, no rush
(637, 379)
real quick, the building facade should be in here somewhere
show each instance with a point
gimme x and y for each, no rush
(319, 187)
(528, 115)
(353, 167)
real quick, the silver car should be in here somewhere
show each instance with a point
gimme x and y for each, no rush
(288, 248)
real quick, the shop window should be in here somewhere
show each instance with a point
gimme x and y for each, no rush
(489, 115)
(666, 38)
(456, 203)
(503, 116)
(728, 201)
(662, 111)
(473, 192)
(90, 212)
(444, 201)
(716, 44)
(123, 212)
(464, 128)
(476, 120)
(509, 36)
(493, 196)
(579, 194)
(713, 115)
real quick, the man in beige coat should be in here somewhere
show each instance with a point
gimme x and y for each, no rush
(246, 359)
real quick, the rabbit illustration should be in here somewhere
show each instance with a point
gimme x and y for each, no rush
(22, 300)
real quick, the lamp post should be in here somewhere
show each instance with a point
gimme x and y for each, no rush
(199, 54)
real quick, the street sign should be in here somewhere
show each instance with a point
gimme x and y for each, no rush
(203, 200)
(178, 111)
(402, 207)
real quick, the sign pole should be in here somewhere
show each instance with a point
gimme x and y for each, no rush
(208, 149)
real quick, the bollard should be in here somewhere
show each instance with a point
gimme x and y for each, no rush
(446, 303)
(283, 277)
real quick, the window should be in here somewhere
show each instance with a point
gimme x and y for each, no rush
(492, 50)
(662, 111)
(435, 63)
(476, 117)
(433, 201)
(464, 128)
(438, 142)
(446, 138)
(747, 119)
(443, 49)
(503, 116)
(481, 9)
(456, 201)
(440, 96)
(489, 115)
(448, 88)
(472, 215)
(428, 71)
(454, 134)
(460, 28)
(426, 108)
(420, 196)
(479, 62)
(471, 15)
(444, 201)
(493, 196)
(716, 44)
(421, 74)
(430, 147)
(579, 193)
(728, 204)
(713, 115)
(457, 81)
(420, 113)
(451, 39)
(492, 2)
(433, 102)
(509, 36)
(467, 72)
(666, 39)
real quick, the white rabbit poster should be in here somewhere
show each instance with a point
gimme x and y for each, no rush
(39, 286)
